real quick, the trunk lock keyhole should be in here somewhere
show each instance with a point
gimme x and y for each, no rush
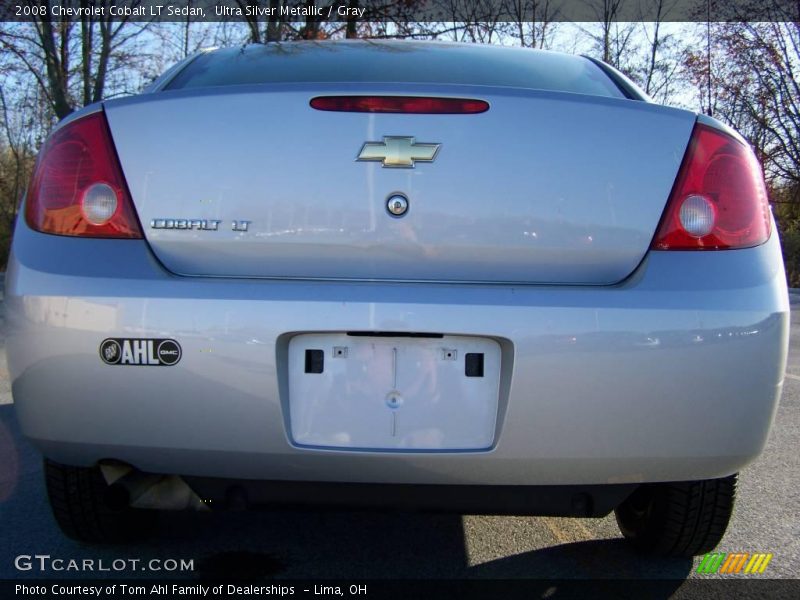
(397, 205)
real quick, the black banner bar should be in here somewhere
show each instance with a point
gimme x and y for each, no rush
(729, 589)
(403, 11)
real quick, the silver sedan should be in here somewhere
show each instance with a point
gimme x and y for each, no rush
(404, 274)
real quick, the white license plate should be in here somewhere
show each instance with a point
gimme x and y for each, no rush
(393, 393)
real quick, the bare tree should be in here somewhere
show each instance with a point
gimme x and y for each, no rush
(612, 39)
(768, 96)
(22, 123)
(665, 56)
(71, 59)
(268, 28)
(474, 21)
(754, 87)
(533, 22)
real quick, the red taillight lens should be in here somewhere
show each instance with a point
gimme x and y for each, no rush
(719, 200)
(400, 104)
(77, 186)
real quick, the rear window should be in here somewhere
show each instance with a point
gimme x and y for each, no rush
(395, 62)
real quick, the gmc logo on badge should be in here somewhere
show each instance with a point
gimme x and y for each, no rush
(140, 352)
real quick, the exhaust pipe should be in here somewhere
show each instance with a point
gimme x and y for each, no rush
(129, 487)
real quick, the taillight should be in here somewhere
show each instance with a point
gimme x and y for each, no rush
(400, 104)
(77, 186)
(719, 200)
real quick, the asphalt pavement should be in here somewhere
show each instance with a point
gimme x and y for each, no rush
(320, 544)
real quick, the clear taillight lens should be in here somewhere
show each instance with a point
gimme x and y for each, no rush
(77, 186)
(719, 200)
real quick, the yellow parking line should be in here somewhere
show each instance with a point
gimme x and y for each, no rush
(568, 530)
(557, 532)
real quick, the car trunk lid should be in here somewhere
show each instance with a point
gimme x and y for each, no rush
(544, 187)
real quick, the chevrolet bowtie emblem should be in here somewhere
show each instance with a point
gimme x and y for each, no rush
(396, 151)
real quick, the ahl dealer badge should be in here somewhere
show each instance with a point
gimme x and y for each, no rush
(140, 352)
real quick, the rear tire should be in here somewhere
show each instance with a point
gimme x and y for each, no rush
(678, 519)
(88, 510)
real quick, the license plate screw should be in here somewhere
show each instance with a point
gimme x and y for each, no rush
(449, 354)
(340, 352)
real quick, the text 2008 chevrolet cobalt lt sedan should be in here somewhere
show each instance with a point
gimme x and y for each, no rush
(421, 275)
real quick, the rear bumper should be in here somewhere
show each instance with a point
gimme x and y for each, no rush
(542, 500)
(673, 374)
